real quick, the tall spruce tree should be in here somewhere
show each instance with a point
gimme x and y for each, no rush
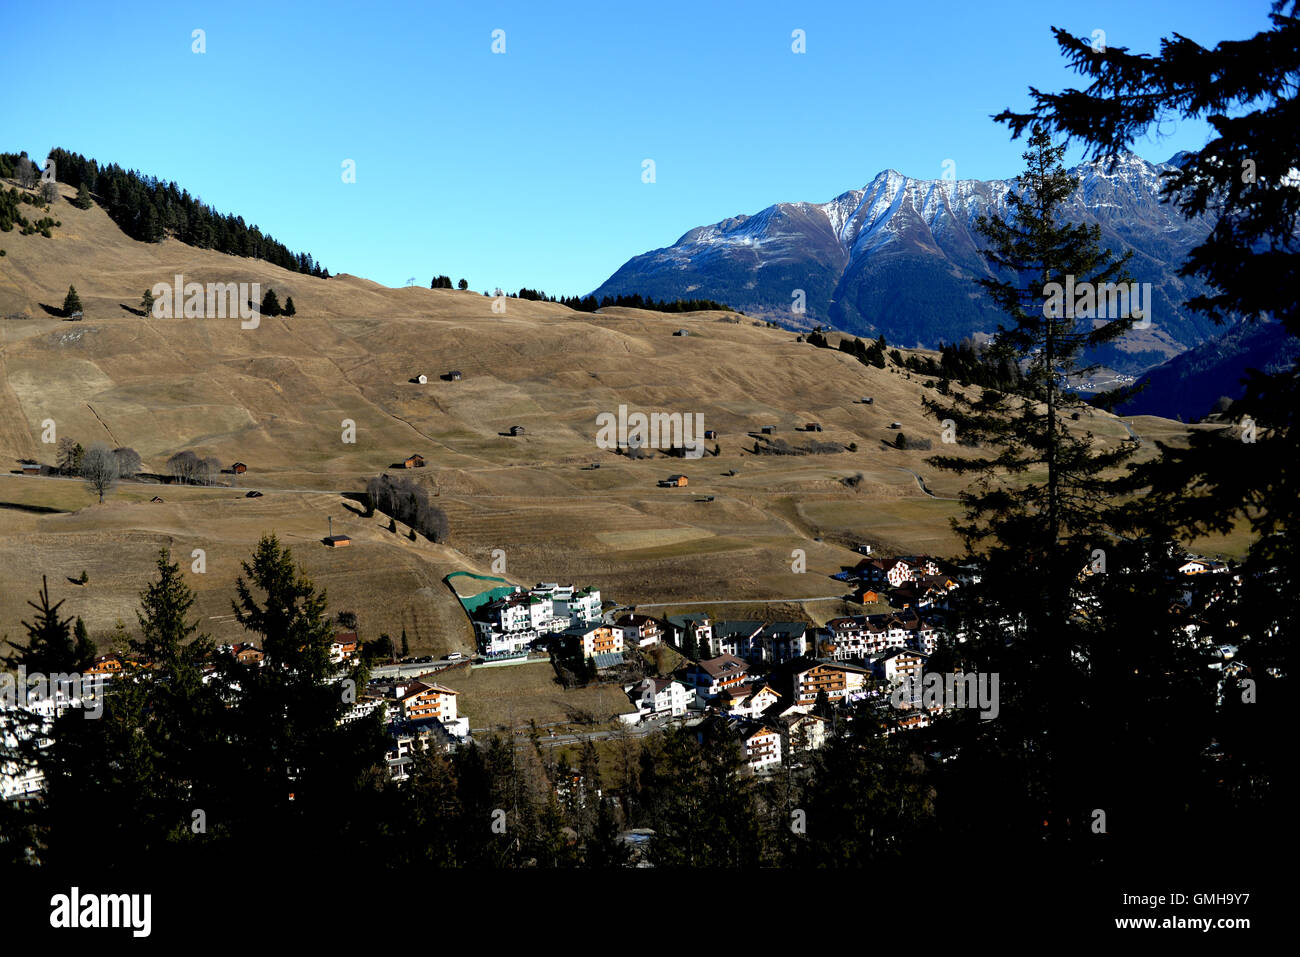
(51, 646)
(185, 714)
(432, 811)
(1246, 476)
(50, 651)
(297, 764)
(1043, 496)
(149, 760)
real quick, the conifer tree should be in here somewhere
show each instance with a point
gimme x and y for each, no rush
(1250, 262)
(152, 232)
(71, 302)
(270, 304)
(51, 647)
(707, 811)
(83, 647)
(169, 638)
(866, 801)
(604, 847)
(1033, 536)
(70, 456)
(285, 714)
(433, 812)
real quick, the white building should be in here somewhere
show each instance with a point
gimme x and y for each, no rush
(509, 614)
(18, 781)
(410, 738)
(762, 749)
(582, 606)
(494, 641)
(864, 636)
(660, 696)
(806, 732)
(895, 666)
(578, 605)
(510, 625)
(1200, 566)
(748, 701)
(366, 705)
(757, 641)
(640, 630)
(418, 700)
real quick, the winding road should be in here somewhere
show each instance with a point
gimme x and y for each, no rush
(1131, 434)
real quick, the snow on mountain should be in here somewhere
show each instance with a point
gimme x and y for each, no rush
(900, 257)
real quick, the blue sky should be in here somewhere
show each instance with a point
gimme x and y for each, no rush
(525, 168)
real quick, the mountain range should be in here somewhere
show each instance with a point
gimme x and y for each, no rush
(1188, 385)
(900, 257)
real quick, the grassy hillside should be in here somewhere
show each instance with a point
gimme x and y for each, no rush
(276, 397)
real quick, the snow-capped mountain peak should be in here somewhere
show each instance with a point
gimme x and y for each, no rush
(900, 256)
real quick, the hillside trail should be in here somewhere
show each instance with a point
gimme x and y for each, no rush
(920, 483)
(100, 418)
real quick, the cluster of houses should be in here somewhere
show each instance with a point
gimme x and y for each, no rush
(760, 681)
(1203, 583)
(765, 725)
(773, 685)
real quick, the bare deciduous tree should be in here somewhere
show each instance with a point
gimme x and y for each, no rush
(128, 462)
(100, 470)
(188, 468)
(211, 469)
(25, 172)
(408, 502)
